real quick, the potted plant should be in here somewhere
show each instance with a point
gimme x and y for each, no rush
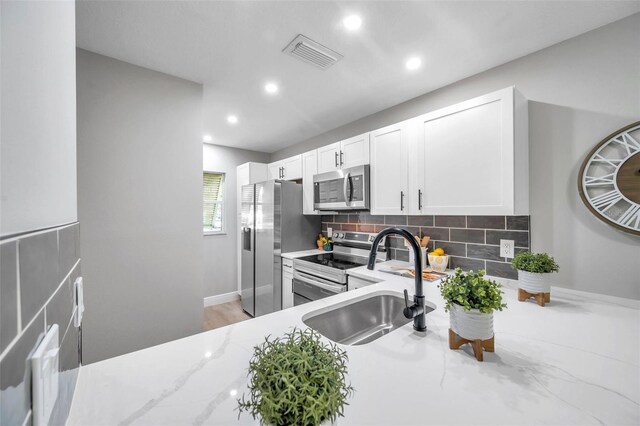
(534, 273)
(470, 299)
(297, 380)
(324, 243)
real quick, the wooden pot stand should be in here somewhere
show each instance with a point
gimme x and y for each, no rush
(541, 298)
(478, 345)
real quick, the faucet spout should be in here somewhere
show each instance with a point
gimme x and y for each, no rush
(415, 311)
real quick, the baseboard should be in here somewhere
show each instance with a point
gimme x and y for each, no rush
(221, 298)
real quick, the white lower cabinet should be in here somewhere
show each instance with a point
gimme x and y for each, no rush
(389, 161)
(287, 283)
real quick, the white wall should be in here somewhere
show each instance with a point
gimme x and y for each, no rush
(38, 130)
(140, 205)
(220, 251)
(579, 91)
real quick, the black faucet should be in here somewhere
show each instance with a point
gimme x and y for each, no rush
(415, 311)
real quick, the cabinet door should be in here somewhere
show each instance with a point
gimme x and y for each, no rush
(389, 156)
(416, 169)
(287, 283)
(469, 156)
(275, 170)
(355, 151)
(292, 168)
(329, 158)
(309, 168)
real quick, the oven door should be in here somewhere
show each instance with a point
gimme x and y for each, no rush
(307, 288)
(346, 189)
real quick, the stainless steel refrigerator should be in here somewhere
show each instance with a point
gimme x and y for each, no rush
(271, 223)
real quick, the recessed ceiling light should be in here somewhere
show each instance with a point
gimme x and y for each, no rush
(271, 88)
(413, 63)
(232, 119)
(352, 22)
(207, 138)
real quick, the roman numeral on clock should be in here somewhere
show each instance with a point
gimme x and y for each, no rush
(599, 180)
(631, 217)
(604, 201)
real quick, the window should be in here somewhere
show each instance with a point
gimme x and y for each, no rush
(213, 203)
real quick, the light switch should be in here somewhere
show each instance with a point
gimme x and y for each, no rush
(45, 366)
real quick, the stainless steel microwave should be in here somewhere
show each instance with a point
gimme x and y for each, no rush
(346, 189)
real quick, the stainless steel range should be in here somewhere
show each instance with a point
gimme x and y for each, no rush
(323, 275)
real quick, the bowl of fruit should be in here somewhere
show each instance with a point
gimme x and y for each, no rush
(438, 260)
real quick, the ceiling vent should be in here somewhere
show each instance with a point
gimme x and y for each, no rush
(312, 52)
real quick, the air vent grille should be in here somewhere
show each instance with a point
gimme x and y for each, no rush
(312, 52)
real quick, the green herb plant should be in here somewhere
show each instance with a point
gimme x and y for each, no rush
(540, 263)
(297, 380)
(471, 291)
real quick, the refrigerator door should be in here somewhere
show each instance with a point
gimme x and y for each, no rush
(247, 241)
(268, 287)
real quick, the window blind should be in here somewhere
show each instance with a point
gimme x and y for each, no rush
(212, 197)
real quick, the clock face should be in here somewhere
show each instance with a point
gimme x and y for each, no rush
(609, 179)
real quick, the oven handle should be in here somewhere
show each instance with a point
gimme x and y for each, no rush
(334, 288)
(345, 189)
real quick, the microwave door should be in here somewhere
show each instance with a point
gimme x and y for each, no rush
(346, 189)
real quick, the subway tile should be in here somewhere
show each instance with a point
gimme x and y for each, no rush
(326, 218)
(420, 220)
(478, 251)
(486, 222)
(68, 249)
(38, 272)
(15, 374)
(352, 227)
(413, 230)
(324, 226)
(521, 238)
(69, 350)
(366, 227)
(441, 234)
(379, 228)
(395, 242)
(341, 218)
(501, 269)
(395, 220)
(465, 263)
(451, 221)
(334, 226)
(453, 249)
(60, 308)
(8, 293)
(467, 235)
(520, 223)
(366, 218)
(402, 255)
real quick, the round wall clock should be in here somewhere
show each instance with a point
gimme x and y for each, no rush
(609, 179)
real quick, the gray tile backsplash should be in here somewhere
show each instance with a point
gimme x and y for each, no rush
(472, 242)
(37, 276)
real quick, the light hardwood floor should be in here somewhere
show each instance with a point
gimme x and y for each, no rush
(224, 314)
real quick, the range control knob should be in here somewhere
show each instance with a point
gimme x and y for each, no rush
(341, 235)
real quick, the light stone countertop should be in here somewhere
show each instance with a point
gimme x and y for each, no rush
(302, 253)
(575, 361)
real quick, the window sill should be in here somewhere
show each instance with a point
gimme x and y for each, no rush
(210, 233)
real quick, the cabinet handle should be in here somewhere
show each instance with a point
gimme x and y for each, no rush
(283, 173)
(419, 199)
(336, 153)
(341, 154)
(401, 200)
(279, 172)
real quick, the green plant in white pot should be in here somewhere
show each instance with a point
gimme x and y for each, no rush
(534, 275)
(297, 380)
(471, 299)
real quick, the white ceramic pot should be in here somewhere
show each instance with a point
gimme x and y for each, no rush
(533, 282)
(471, 325)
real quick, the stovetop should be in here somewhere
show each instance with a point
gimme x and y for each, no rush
(336, 260)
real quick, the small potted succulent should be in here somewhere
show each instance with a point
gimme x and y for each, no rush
(324, 243)
(470, 299)
(534, 272)
(297, 380)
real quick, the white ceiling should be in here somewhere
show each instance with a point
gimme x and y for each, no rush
(234, 47)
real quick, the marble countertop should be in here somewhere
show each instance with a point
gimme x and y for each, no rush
(302, 253)
(575, 361)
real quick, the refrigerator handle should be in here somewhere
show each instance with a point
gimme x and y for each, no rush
(246, 238)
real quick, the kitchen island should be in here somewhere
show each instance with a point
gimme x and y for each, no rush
(575, 361)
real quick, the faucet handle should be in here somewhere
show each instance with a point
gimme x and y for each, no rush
(408, 310)
(406, 299)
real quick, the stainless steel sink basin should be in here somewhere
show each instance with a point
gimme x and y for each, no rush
(361, 320)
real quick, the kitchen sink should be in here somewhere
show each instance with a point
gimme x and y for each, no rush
(361, 320)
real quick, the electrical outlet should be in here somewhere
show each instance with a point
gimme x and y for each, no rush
(329, 232)
(506, 248)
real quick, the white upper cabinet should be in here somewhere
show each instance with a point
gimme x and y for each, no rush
(309, 168)
(287, 169)
(475, 156)
(389, 161)
(329, 158)
(347, 153)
